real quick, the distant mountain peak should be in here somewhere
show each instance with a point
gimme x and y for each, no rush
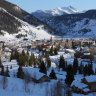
(56, 12)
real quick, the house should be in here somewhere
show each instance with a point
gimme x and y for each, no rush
(78, 54)
(91, 82)
(79, 87)
(46, 46)
(37, 76)
(6, 49)
(86, 56)
(85, 85)
(70, 51)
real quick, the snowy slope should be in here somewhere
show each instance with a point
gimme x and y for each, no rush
(30, 31)
(76, 29)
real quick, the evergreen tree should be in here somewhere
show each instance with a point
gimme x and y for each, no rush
(20, 73)
(23, 53)
(58, 47)
(73, 45)
(11, 67)
(48, 62)
(0, 62)
(81, 68)
(62, 63)
(75, 65)
(46, 54)
(65, 65)
(23, 59)
(17, 55)
(35, 64)
(51, 51)
(43, 52)
(43, 68)
(12, 55)
(55, 51)
(2, 70)
(70, 75)
(40, 59)
(85, 70)
(31, 60)
(27, 52)
(7, 72)
(52, 75)
(90, 69)
(95, 71)
(65, 46)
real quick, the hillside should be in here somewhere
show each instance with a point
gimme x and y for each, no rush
(74, 25)
(14, 20)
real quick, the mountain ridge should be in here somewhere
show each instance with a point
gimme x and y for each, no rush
(55, 12)
(73, 25)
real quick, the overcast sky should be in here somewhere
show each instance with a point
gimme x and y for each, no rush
(33, 5)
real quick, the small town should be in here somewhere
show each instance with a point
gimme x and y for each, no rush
(67, 61)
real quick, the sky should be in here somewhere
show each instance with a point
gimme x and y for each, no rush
(33, 5)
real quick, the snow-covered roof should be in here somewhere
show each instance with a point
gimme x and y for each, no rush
(86, 89)
(34, 72)
(4, 59)
(91, 78)
(70, 50)
(13, 61)
(78, 84)
(86, 53)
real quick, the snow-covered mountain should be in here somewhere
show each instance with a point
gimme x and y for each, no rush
(20, 28)
(16, 23)
(55, 12)
(74, 25)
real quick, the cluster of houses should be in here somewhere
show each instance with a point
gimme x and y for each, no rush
(85, 85)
